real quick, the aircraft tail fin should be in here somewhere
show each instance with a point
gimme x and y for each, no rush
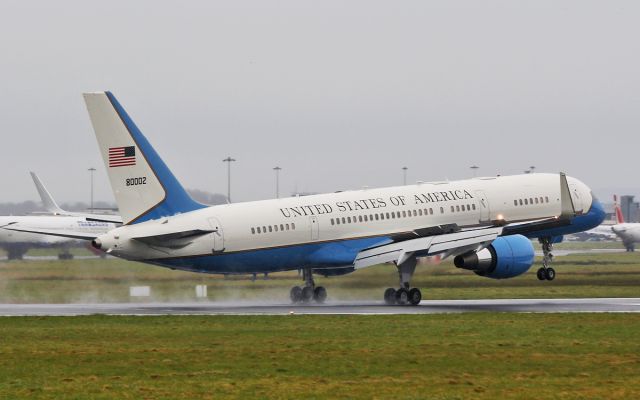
(618, 210)
(47, 200)
(142, 184)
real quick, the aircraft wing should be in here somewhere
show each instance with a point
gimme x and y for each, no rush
(444, 244)
(51, 232)
(524, 228)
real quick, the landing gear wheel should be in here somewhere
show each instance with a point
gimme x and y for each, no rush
(402, 296)
(415, 296)
(390, 296)
(296, 294)
(550, 274)
(307, 294)
(542, 274)
(320, 294)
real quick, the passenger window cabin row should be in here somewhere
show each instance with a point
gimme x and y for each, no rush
(397, 214)
(273, 228)
(461, 208)
(531, 201)
(367, 218)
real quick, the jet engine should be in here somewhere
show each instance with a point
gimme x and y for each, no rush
(505, 257)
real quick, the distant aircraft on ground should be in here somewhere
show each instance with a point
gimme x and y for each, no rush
(16, 241)
(485, 223)
(628, 232)
(602, 231)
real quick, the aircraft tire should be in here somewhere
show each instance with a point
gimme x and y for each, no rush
(541, 274)
(307, 294)
(402, 296)
(550, 274)
(415, 296)
(320, 294)
(295, 294)
(390, 296)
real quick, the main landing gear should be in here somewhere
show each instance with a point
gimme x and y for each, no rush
(404, 295)
(309, 292)
(546, 272)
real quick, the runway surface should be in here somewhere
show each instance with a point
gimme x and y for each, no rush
(336, 308)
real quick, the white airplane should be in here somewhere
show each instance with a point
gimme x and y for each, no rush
(628, 232)
(485, 223)
(19, 234)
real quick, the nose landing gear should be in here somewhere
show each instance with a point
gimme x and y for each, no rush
(546, 272)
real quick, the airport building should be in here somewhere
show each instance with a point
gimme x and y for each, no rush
(630, 209)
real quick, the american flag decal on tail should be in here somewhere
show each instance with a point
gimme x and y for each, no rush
(122, 156)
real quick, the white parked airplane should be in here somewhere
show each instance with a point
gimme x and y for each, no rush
(485, 223)
(18, 233)
(628, 232)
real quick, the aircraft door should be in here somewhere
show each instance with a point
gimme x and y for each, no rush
(217, 235)
(315, 227)
(483, 205)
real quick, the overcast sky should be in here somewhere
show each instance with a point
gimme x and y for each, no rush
(340, 94)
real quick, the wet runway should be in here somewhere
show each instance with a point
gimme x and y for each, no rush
(331, 308)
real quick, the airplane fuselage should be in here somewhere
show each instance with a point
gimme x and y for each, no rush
(60, 224)
(628, 232)
(328, 231)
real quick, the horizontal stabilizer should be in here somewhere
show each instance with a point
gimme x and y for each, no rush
(174, 240)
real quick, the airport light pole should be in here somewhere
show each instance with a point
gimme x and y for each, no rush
(91, 171)
(475, 170)
(404, 175)
(277, 169)
(229, 160)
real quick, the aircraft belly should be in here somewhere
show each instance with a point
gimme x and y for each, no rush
(316, 255)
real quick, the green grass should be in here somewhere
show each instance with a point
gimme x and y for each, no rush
(97, 280)
(454, 356)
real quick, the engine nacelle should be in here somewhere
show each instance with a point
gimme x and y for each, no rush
(505, 257)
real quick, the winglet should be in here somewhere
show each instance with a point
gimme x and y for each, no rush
(47, 200)
(566, 203)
